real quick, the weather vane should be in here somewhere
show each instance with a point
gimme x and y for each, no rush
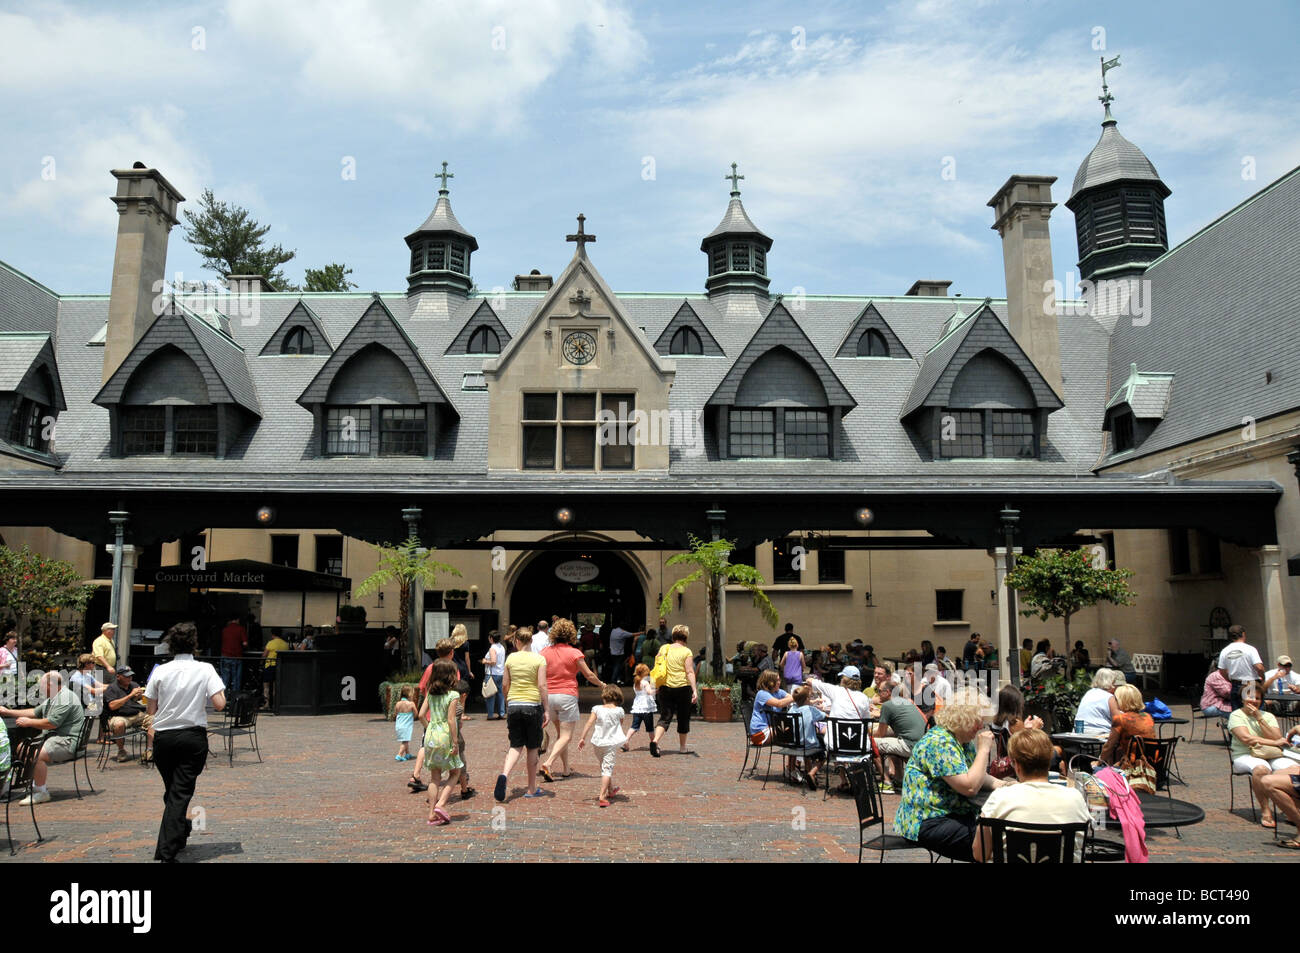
(1106, 98)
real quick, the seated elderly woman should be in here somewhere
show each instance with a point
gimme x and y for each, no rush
(845, 700)
(1098, 708)
(1257, 745)
(1035, 800)
(1216, 697)
(944, 772)
(1121, 751)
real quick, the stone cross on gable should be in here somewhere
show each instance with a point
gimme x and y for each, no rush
(444, 175)
(581, 237)
(580, 300)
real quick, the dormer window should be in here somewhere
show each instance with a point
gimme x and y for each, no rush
(685, 341)
(27, 425)
(298, 341)
(1123, 432)
(195, 430)
(484, 340)
(872, 344)
(144, 430)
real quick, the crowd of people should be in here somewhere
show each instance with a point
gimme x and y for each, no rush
(531, 681)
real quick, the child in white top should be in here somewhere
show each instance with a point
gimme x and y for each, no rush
(607, 718)
(643, 705)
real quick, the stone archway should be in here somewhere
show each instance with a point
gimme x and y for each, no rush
(611, 590)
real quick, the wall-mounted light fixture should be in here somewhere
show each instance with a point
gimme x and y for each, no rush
(864, 516)
(265, 515)
(473, 594)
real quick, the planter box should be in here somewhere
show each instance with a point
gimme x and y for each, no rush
(715, 704)
(454, 605)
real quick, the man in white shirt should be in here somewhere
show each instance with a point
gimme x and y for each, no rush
(1239, 662)
(541, 637)
(177, 699)
(1283, 681)
(1034, 800)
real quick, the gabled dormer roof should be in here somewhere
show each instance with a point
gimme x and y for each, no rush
(483, 316)
(22, 357)
(376, 326)
(1145, 394)
(780, 330)
(870, 319)
(687, 318)
(219, 359)
(579, 272)
(300, 315)
(964, 337)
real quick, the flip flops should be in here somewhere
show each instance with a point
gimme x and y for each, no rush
(499, 791)
(443, 818)
(546, 773)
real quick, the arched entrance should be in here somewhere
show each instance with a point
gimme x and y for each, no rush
(597, 587)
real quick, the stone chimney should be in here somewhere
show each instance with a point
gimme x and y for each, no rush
(533, 281)
(929, 288)
(1023, 207)
(249, 284)
(146, 208)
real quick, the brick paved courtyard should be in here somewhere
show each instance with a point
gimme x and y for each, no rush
(329, 790)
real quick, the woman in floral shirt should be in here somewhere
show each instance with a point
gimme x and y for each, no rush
(944, 772)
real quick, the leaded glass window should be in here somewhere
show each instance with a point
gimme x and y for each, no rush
(807, 433)
(1013, 434)
(402, 432)
(752, 433)
(347, 431)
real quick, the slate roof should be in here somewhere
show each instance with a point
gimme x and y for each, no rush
(482, 316)
(686, 317)
(1147, 395)
(442, 219)
(21, 355)
(735, 221)
(1223, 316)
(300, 316)
(1114, 159)
(28, 306)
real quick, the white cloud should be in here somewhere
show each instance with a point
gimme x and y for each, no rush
(467, 64)
(76, 197)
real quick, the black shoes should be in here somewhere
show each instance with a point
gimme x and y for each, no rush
(654, 749)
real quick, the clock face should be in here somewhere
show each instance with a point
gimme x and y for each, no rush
(579, 348)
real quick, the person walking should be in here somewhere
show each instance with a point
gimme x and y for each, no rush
(494, 665)
(441, 744)
(176, 698)
(563, 663)
(678, 692)
(527, 711)
(607, 720)
(794, 666)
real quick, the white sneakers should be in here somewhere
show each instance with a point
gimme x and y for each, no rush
(36, 797)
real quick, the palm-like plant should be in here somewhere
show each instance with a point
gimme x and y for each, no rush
(403, 565)
(715, 570)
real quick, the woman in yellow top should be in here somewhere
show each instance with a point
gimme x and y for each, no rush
(527, 704)
(678, 693)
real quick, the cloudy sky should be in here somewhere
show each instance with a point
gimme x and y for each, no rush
(870, 135)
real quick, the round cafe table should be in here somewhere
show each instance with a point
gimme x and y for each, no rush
(1160, 724)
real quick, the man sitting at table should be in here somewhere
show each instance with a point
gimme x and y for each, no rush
(901, 726)
(62, 715)
(124, 702)
(1035, 800)
(1283, 681)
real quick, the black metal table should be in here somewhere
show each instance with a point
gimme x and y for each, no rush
(1161, 722)
(1157, 811)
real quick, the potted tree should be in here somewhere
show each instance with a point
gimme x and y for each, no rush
(716, 702)
(455, 599)
(1057, 583)
(403, 565)
(715, 570)
(36, 590)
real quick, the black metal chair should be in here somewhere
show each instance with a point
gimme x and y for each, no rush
(22, 771)
(871, 812)
(1159, 753)
(1233, 775)
(89, 725)
(788, 742)
(1194, 693)
(1020, 842)
(750, 746)
(131, 736)
(240, 719)
(847, 742)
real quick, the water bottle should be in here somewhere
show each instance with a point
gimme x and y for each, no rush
(1078, 726)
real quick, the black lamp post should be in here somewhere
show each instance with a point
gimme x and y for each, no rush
(1010, 518)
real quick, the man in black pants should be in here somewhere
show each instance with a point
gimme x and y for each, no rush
(177, 698)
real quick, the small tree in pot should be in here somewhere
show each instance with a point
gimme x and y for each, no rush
(403, 565)
(716, 571)
(1057, 583)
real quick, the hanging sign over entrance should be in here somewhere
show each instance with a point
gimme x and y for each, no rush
(577, 571)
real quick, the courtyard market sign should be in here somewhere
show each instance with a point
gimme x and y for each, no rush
(248, 574)
(577, 571)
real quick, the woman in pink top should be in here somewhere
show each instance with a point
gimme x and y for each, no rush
(1217, 697)
(563, 663)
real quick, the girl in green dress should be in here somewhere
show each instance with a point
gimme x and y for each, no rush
(441, 751)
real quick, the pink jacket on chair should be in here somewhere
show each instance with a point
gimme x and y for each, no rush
(1125, 808)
